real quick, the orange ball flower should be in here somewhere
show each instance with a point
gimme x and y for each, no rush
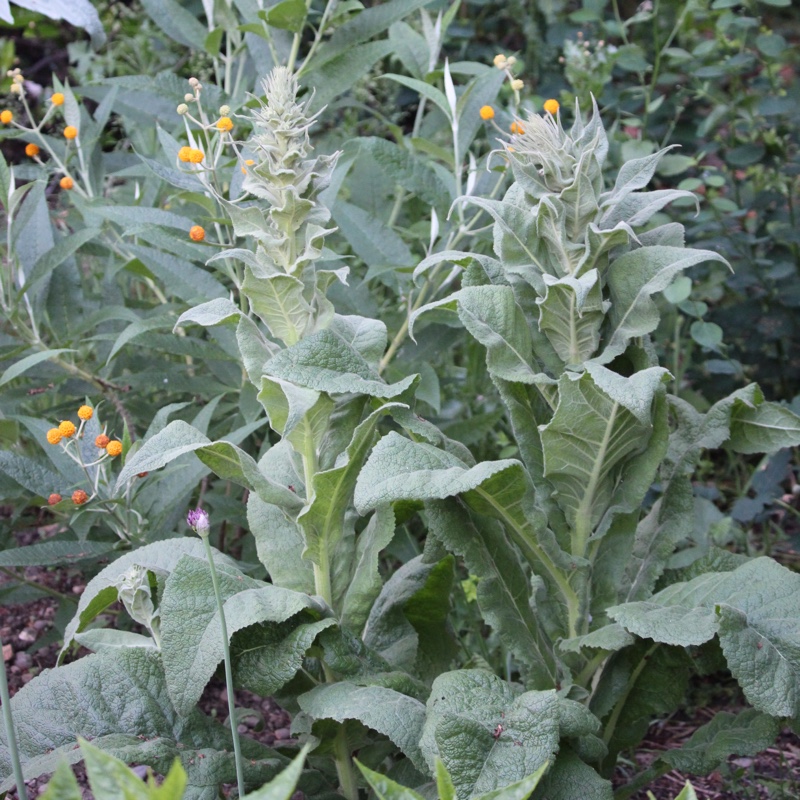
(54, 436)
(66, 183)
(6, 116)
(31, 149)
(85, 413)
(517, 128)
(196, 156)
(70, 132)
(114, 448)
(101, 441)
(487, 113)
(67, 428)
(224, 124)
(185, 154)
(197, 233)
(551, 106)
(57, 99)
(79, 497)
(54, 498)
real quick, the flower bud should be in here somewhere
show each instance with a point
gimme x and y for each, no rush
(517, 84)
(224, 111)
(197, 520)
(188, 97)
(182, 109)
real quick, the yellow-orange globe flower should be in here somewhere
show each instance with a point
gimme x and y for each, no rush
(67, 428)
(551, 106)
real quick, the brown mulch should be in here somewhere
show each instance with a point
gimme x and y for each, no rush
(771, 775)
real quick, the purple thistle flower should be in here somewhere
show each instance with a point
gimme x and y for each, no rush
(197, 520)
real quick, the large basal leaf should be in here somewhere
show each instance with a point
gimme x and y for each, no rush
(224, 458)
(407, 625)
(191, 632)
(488, 732)
(570, 778)
(632, 280)
(503, 588)
(159, 558)
(395, 715)
(119, 700)
(111, 779)
(744, 734)
(399, 469)
(387, 789)
(325, 362)
(637, 685)
(755, 611)
(602, 420)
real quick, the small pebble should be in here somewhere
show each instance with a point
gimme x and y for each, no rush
(282, 733)
(242, 728)
(8, 651)
(78, 588)
(22, 660)
(27, 635)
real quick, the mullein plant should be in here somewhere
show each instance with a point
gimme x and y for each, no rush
(601, 609)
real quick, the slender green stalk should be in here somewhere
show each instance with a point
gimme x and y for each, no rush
(11, 735)
(237, 753)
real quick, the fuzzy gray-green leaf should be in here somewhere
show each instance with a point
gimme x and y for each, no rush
(393, 714)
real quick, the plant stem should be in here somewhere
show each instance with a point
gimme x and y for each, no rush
(322, 587)
(11, 735)
(237, 753)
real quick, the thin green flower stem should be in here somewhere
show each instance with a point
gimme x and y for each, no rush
(11, 735)
(237, 752)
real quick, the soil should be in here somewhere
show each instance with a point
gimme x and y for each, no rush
(26, 628)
